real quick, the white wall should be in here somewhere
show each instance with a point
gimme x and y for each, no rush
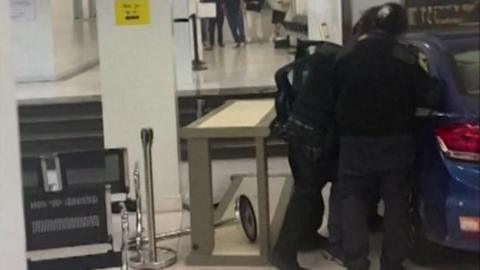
(138, 90)
(183, 44)
(75, 41)
(301, 7)
(325, 11)
(12, 229)
(33, 45)
(53, 45)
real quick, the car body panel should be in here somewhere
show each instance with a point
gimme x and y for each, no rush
(447, 189)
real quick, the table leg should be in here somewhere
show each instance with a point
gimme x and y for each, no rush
(263, 197)
(201, 197)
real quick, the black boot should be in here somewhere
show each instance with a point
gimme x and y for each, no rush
(284, 255)
(359, 265)
(285, 261)
(335, 254)
(312, 243)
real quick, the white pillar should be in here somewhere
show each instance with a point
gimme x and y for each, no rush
(12, 228)
(49, 44)
(183, 44)
(137, 75)
(325, 20)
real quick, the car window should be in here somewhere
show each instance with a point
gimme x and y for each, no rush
(468, 68)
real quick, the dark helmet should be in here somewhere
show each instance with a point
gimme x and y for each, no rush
(392, 19)
(367, 22)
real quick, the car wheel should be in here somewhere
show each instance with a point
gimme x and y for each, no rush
(422, 251)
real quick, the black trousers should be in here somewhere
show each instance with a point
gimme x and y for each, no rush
(216, 23)
(305, 211)
(355, 191)
(237, 25)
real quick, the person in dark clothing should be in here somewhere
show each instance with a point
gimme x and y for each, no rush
(378, 85)
(312, 159)
(360, 31)
(204, 24)
(234, 12)
(334, 251)
(216, 24)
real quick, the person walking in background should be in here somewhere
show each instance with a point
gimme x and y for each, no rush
(280, 9)
(204, 22)
(254, 20)
(234, 11)
(216, 24)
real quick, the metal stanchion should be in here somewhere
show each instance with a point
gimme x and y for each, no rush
(150, 257)
(245, 218)
(125, 232)
(139, 229)
(197, 64)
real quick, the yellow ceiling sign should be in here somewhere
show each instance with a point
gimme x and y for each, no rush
(132, 12)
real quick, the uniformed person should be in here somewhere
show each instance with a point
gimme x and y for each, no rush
(312, 157)
(334, 252)
(379, 85)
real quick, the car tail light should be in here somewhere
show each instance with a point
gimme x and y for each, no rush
(470, 224)
(460, 141)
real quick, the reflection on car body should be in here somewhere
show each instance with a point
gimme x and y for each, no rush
(447, 209)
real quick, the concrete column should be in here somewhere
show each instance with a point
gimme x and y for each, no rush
(51, 44)
(137, 74)
(183, 43)
(12, 228)
(325, 20)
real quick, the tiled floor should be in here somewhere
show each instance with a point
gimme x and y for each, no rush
(229, 68)
(222, 170)
(313, 260)
(252, 66)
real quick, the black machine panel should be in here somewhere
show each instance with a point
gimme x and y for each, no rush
(32, 174)
(79, 170)
(66, 219)
(94, 168)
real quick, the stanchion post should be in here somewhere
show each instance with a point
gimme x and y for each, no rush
(125, 234)
(156, 257)
(197, 64)
(147, 140)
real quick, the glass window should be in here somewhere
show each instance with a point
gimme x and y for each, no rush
(468, 68)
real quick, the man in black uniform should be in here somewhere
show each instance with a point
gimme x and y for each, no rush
(379, 85)
(311, 156)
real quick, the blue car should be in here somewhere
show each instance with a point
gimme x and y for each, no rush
(447, 195)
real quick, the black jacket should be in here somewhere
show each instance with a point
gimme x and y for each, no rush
(315, 103)
(308, 97)
(232, 6)
(378, 85)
